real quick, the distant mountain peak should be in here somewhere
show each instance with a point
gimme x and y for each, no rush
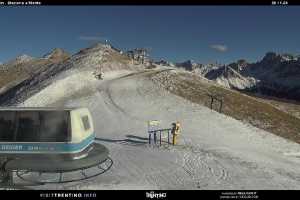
(24, 58)
(57, 55)
(273, 57)
(190, 61)
(188, 65)
(19, 60)
(99, 45)
(164, 63)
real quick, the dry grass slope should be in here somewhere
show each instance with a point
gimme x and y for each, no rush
(17, 73)
(237, 105)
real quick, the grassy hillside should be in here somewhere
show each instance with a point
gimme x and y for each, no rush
(14, 74)
(237, 105)
(20, 71)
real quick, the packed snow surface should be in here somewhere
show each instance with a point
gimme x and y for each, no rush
(214, 151)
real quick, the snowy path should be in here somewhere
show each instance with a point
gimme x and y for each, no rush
(214, 151)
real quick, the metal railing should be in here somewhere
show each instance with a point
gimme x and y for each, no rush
(157, 134)
(218, 98)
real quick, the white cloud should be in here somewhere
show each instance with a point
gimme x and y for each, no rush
(219, 47)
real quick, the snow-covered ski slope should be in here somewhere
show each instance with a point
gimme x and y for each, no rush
(214, 150)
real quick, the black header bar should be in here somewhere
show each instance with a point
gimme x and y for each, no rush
(149, 2)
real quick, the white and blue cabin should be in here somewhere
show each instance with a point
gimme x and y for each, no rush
(52, 132)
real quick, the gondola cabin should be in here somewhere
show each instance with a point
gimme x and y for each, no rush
(67, 132)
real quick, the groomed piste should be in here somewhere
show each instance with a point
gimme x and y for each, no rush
(214, 151)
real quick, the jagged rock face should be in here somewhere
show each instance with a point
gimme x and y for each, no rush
(197, 68)
(165, 63)
(188, 65)
(275, 75)
(215, 73)
(280, 69)
(203, 70)
(270, 57)
(281, 77)
(239, 66)
(57, 55)
(23, 59)
(19, 60)
(230, 78)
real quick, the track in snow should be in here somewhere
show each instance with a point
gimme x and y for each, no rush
(214, 151)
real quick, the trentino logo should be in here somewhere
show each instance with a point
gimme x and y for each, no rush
(157, 195)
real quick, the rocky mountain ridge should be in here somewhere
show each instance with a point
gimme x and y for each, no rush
(275, 75)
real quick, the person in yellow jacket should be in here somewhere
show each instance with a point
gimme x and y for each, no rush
(175, 131)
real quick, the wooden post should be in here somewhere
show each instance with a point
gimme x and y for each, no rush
(168, 137)
(159, 138)
(211, 103)
(60, 176)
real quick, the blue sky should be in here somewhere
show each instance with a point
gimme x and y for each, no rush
(177, 33)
